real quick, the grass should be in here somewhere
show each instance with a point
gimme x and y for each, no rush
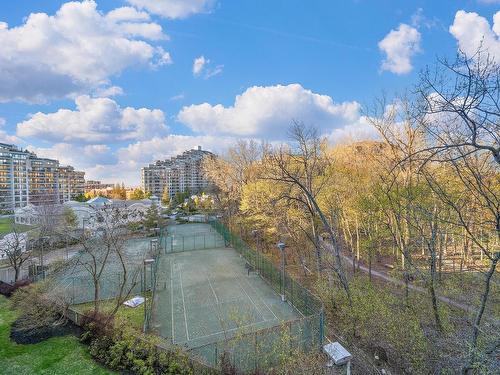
(132, 316)
(58, 355)
(6, 224)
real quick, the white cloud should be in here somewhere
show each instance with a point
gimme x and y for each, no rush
(269, 111)
(80, 157)
(74, 51)
(201, 67)
(198, 65)
(471, 30)
(5, 137)
(174, 8)
(177, 97)
(108, 91)
(94, 120)
(399, 46)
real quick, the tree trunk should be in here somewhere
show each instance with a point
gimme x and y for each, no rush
(480, 312)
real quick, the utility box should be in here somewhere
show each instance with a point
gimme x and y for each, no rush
(337, 353)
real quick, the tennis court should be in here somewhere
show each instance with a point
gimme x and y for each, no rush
(208, 295)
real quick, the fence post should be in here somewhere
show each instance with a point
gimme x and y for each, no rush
(321, 327)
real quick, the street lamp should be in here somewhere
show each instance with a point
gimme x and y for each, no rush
(146, 262)
(281, 245)
(153, 244)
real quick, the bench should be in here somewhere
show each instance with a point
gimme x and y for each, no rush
(249, 268)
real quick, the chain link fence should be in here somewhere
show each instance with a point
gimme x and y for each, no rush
(262, 349)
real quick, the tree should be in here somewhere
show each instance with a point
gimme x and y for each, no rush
(230, 172)
(165, 198)
(70, 220)
(81, 197)
(103, 250)
(153, 218)
(301, 167)
(460, 104)
(118, 192)
(137, 194)
(14, 247)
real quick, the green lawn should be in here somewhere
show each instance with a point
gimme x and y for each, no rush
(133, 316)
(60, 355)
(6, 224)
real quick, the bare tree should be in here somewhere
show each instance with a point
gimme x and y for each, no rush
(301, 166)
(230, 172)
(103, 250)
(14, 248)
(461, 101)
(460, 105)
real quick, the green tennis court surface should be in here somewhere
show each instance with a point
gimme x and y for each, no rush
(205, 296)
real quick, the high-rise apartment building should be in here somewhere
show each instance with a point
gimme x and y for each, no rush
(28, 179)
(71, 183)
(178, 174)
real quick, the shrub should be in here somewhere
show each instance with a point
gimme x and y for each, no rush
(41, 304)
(379, 320)
(121, 348)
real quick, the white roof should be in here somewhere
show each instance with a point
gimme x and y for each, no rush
(99, 201)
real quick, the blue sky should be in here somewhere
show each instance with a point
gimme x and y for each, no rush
(111, 85)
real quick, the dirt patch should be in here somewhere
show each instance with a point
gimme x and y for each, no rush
(35, 335)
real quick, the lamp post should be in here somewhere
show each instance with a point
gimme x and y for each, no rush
(255, 234)
(146, 320)
(281, 245)
(153, 245)
(41, 255)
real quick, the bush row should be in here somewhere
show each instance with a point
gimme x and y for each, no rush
(121, 348)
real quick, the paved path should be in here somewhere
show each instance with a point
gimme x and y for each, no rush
(387, 278)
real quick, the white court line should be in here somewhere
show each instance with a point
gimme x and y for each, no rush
(172, 296)
(211, 287)
(264, 302)
(184, 305)
(226, 331)
(251, 300)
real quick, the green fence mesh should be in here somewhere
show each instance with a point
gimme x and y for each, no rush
(247, 351)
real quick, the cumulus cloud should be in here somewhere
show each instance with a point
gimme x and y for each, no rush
(268, 112)
(399, 46)
(5, 137)
(201, 67)
(80, 157)
(77, 50)
(174, 8)
(94, 120)
(472, 31)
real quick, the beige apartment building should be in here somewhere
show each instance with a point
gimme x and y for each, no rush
(27, 179)
(180, 173)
